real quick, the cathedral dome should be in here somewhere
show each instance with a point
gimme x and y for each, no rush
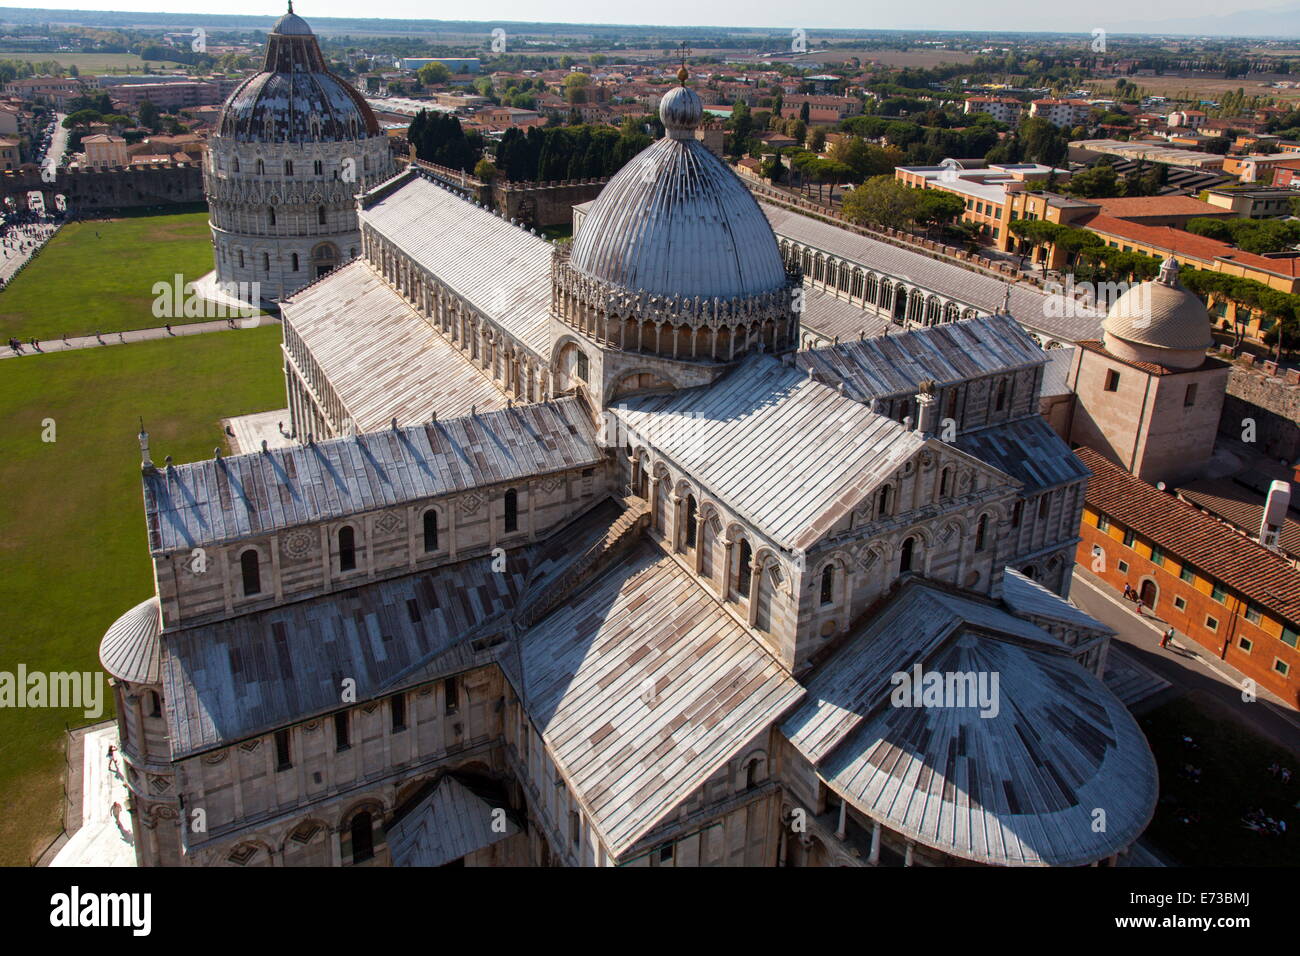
(675, 221)
(295, 98)
(1159, 321)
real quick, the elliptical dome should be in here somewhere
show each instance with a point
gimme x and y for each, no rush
(676, 221)
(1160, 321)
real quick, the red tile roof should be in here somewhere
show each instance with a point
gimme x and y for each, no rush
(1217, 551)
(1124, 206)
(1188, 244)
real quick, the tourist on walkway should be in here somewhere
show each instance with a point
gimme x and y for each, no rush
(1169, 636)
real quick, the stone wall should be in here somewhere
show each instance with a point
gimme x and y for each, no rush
(1272, 402)
(95, 190)
(544, 204)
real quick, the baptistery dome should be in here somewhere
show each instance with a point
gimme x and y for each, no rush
(295, 96)
(676, 221)
(1159, 321)
(294, 146)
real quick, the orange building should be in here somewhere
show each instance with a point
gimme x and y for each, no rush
(1229, 594)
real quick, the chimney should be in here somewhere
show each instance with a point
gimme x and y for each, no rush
(1274, 516)
(927, 409)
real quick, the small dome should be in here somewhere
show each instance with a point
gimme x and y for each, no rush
(1165, 321)
(676, 221)
(291, 25)
(681, 111)
(130, 649)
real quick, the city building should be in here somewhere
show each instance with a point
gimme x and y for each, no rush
(1254, 202)
(575, 560)
(1004, 109)
(104, 151)
(1059, 112)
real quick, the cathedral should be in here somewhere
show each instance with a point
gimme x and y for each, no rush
(579, 559)
(294, 146)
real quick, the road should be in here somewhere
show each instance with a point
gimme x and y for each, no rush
(1186, 664)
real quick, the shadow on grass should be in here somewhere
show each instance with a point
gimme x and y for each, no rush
(1199, 821)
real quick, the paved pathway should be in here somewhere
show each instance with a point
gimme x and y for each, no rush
(1185, 663)
(135, 335)
(105, 837)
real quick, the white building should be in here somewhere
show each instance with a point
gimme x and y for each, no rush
(578, 561)
(294, 146)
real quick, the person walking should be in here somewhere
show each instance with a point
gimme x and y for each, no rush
(1169, 636)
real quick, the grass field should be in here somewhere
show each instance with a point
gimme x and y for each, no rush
(99, 276)
(1198, 87)
(1199, 822)
(73, 553)
(92, 62)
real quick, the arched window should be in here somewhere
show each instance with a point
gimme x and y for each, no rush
(154, 703)
(363, 837)
(270, 215)
(248, 564)
(882, 502)
(288, 167)
(316, 167)
(1002, 396)
(1017, 513)
(241, 258)
(981, 532)
(692, 522)
(266, 262)
(512, 511)
(261, 168)
(581, 367)
(347, 549)
(828, 584)
(320, 215)
(295, 262)
(945, 481)
(744, 575)
(236, 164)
(430, 531)
(905, 561)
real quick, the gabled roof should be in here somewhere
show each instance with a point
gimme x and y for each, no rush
(946, 354)
(451, 822)
(1261, 576)
(640, 708)
(380, 356)
(1014, 779)
(1026, 449)
(504, 271)
(222, 500)
(790, 454)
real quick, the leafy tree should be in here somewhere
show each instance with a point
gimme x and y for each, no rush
(881, 201)
(937, 208)
(485, 170)
(1099, 182)
(817, 142)
(434, 74)
(575, 87)
(148, 114)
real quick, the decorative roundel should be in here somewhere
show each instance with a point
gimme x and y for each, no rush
(299, 544)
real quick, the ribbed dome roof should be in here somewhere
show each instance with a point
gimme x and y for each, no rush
(292, 25)
(130, 649)
(677, 221)
(1161, 313)
(295, 98)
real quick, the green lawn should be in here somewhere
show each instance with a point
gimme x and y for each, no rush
(99, 276)
(73, 552)
(1199, 823)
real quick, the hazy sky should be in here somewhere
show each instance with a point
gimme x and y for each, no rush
(933, 14)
